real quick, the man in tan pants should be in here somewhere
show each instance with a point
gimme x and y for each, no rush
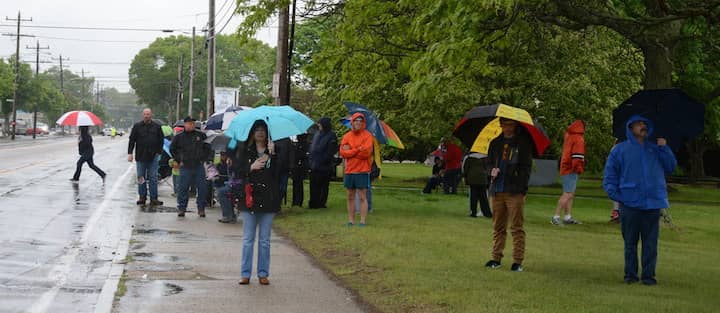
(510, 162)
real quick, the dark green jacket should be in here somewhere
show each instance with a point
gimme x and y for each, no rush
(475, 171)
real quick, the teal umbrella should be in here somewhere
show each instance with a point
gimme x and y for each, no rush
(283, 122)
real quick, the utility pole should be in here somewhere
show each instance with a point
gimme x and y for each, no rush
(82, 86)
(290, 52)
(192, 73)
(17, 70)
(210, 104)
(37, 73)
(62, 81)
(178, 89)
(281, 61)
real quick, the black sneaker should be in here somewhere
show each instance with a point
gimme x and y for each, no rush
(516, 267)
(649, 281)
(141, 201)
(492, 264)
(631, 280)
(181, 214)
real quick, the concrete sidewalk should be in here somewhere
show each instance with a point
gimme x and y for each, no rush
(193, 265)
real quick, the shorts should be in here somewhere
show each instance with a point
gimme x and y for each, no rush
(569, 182)
(357, 181)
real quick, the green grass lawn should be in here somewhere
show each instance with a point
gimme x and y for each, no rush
(421, 253)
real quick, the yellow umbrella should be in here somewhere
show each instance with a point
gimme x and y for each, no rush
(490, 132)
(514, 113)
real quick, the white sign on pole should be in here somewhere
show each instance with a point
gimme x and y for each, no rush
(225, 98)
(276, 86)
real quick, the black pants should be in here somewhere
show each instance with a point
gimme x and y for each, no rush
(319, 186)
(451, 180)
(478, 193)
(297, 196)
(432, 183)
(89, 160)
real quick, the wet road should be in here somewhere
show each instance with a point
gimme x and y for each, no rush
(58, 239)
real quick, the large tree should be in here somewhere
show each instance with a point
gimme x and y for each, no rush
(245, 65)
(422, 63)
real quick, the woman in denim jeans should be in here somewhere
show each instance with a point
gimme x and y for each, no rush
(259, 164)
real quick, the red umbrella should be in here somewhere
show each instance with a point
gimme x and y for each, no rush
(79, 118)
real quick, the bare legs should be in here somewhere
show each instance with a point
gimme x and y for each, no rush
(351, 194)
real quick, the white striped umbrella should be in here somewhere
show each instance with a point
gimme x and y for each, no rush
(79, 118)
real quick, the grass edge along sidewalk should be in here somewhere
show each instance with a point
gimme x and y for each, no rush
(420, 253)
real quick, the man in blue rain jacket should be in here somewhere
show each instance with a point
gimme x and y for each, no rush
(635, 177)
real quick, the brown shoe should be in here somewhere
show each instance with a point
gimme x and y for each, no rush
(155, 202)
(244, 281)
(264, 281)
(141, 201)
(201, 212)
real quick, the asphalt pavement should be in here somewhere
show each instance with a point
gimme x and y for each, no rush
(77, 247)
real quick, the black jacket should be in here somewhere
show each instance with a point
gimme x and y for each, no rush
(190, 148)
(322, 151)
(85, 146)
(265, 182)
(147, 140)
(518, 161)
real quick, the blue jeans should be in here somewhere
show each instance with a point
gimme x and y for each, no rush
(225, 204)
(251, 222)
(147, 176)
(176, 183)
(192, 176)
(636, 225)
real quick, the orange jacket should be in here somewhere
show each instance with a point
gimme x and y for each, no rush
(360, 147)
(573, 153)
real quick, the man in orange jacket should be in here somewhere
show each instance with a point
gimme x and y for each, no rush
(356, 148)
(571, 166)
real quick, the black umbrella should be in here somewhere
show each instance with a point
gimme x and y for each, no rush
(676, 116)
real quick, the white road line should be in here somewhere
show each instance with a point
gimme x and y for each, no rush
(59, 274)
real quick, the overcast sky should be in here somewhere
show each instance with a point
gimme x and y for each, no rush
(119, 48)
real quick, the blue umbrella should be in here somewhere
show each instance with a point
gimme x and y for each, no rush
(372, 123)
(166, 147)
(283, 122)
(221, 120)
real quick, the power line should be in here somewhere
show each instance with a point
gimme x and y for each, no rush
(229, 19)
(95, 40)
(164, 30)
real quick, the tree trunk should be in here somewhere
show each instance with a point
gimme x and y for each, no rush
(658, 66)
(696, 166)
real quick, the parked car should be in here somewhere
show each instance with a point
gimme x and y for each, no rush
(38, 131)
(106, 132)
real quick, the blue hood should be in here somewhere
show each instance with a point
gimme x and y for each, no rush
(628, 133)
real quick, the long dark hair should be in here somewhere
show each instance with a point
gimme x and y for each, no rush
(84, 130)
(251, 136)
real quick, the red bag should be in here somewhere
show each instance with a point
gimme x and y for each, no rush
(249, 202)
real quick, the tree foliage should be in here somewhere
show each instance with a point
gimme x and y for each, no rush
(244, 65)
(422, 63)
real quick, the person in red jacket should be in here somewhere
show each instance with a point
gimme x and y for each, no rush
(572, 164)
(356, 148)
(452, 154)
